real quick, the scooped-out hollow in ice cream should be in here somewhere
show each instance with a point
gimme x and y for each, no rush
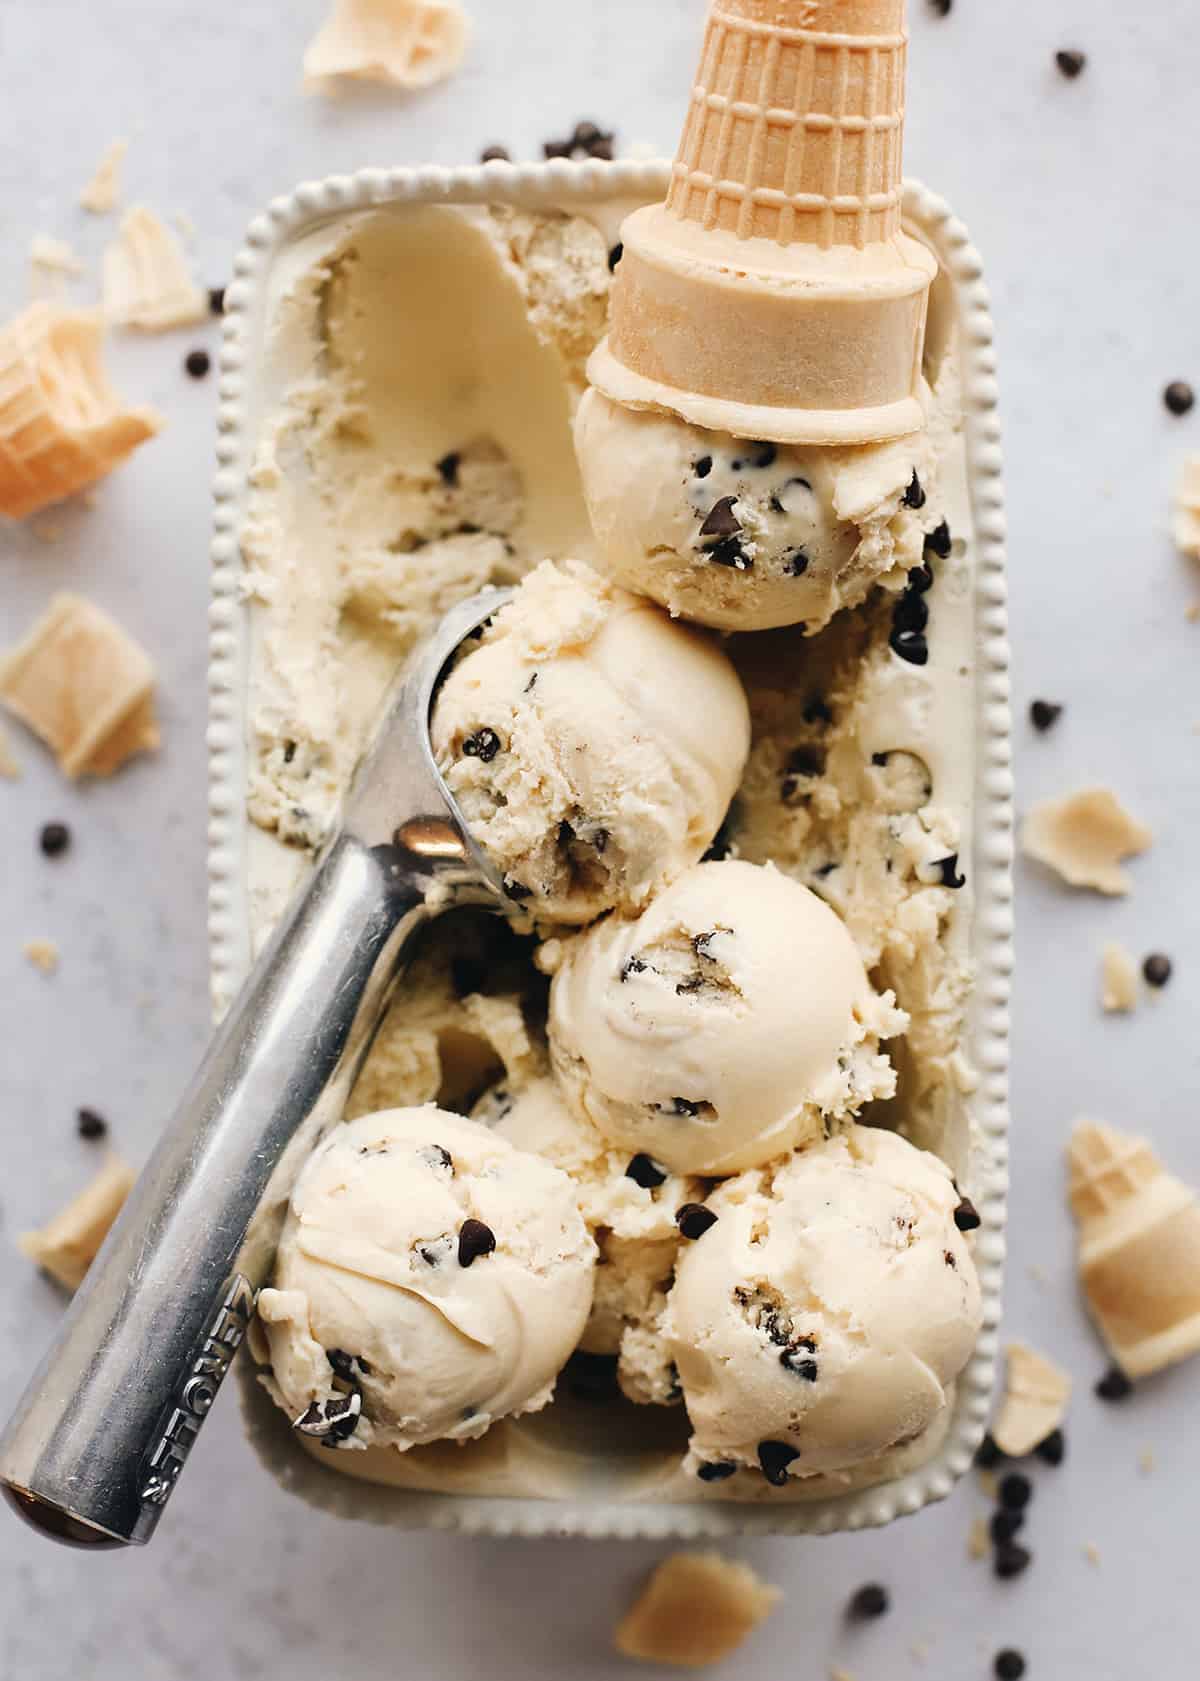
(430, 1280)
(728, 1023)
(593, 746)
(822, 1318)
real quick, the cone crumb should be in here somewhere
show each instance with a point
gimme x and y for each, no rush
(979, 1543)
(1084, 837)
(1035, 1401)
(1118, 980)
(43, 954)
(695, 1610)
(67, 1245)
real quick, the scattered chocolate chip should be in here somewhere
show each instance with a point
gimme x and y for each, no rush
(1004, 1525)
(644, 1171)
(197, 363)
(989, 1454)
(920, 579)
(693, 1220)
(914, 496)
(870, 1601)
(475, 1240)
(1053, 1450)
(633, 966)
(938, 541)
(941, 8)
(910, 645)
(703, 467)
(966, 1216)
(729, 552)
(90, 1125)
(1009, 1665)
(774, 1458)
(1071, 62)
(615, 255)
(911, 612)
(483, 745)
(1179, 397)
(717, 1471)
(1011, 1560)
(603, 149)
(54, 839)
(495, 154)
(1157, 969)
(587, 134)
(721, 520)
(447, 468)
(792, 1360)
(951, 876)
(1044, 714)
(216, 300)
(796, 564)
(1114, 1385)
(556, 149)
(439, 1159)
(1016, 1491)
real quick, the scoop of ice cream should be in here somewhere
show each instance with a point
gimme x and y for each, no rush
(430, 1280)
(743, 535)
(592, 745)
(629, 1202)
(821, 1319)
(724, 1026)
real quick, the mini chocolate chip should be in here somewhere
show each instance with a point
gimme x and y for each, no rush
(344, 1364)
(495, 154)
(717, 1471)
(1004, 1526)
(633, 966)
(439, 1159)
(603, 149)
(644, 1171)
(1053, 1450)
(1114, 1385)
(703, 467)
(197, 363)
(447, 468)
(90, 1125)
(1044, 714)
(1071, 62)
(729, 552)
(774, 1458)
(54, 839)
(216, 300)
(693, 1220)
(483, 745)
(870, 1601)
(1009, 1665)
(289, 752)
(911, 612)
(1179, 397)
(792, 1360)
(1012, 1560)
(914, 496)
(966, 1216)
(475, 1240)
(1157, 969)
(557, 149)
(951, 877)
(796, 564)
(763, 455)
(721, 520)
(989, 1453)
(938, 541)
(880, 759)
(587, 133)
(517, 889)
(941, 8)
(615, 255)
(1016, 1491)
(684, 1106)
(910, 645)
(920, 579)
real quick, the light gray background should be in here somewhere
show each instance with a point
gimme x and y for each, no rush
(1085, 200)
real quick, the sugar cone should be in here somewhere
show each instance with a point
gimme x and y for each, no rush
(774, 294)
(1139, 1249)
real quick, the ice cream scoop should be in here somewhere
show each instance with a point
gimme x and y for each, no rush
(430, 1269)
(105, 1427)
(727, 1024)
(823, 1315)
(592, 745)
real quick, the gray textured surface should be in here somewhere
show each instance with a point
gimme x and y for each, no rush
(1088, 232)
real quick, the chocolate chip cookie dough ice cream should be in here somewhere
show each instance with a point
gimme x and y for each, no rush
(730, 1022)
(592, 745)
(821, 1318)
(431, 1279)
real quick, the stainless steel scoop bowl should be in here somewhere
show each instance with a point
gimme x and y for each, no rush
(104, 1429)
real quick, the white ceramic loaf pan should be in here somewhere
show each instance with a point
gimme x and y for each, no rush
(595, 1474)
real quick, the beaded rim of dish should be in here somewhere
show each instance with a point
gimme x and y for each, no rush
(555, 185)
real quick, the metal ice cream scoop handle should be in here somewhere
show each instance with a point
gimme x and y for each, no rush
(105, 1426)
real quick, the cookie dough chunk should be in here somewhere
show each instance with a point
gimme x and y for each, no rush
(1084, 837)
(403, 43)
(696, 1609)
(83, 685)
(62, 426)
(1035, 1401)
(147, 283)
(68, 1244)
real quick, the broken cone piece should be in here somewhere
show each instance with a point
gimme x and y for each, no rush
(1035, 1402)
